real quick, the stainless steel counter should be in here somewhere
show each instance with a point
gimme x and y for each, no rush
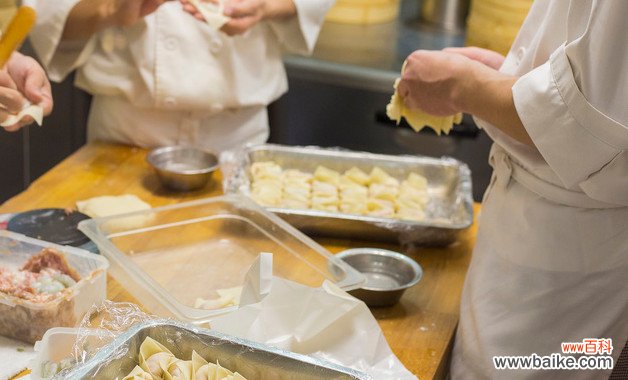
(369, 57)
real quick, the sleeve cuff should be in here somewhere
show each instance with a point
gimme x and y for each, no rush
(59, 58)
(573, 137)
(299, 34)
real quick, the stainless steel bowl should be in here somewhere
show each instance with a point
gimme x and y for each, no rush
(182, 168)
(388, 274)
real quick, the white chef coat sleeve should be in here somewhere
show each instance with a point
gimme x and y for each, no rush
(298, 34)
(585, 146)
(59, 58)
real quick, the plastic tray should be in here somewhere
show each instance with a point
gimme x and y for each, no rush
(191, 250)
(28, 321)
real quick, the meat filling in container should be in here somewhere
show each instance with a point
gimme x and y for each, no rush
(28, 320)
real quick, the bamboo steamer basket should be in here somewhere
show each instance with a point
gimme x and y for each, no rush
(363, 11)
(494, 24)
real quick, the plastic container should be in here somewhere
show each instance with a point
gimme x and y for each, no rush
(56, 347)
(28, 321)
(192, 250)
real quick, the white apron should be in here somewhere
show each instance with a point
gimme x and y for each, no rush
(114, 119)
(551, 258)
(544, 271)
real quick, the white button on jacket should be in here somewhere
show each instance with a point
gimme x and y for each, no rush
(170, 55)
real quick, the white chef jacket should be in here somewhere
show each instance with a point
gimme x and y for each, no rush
(170, 79)
(551, 259)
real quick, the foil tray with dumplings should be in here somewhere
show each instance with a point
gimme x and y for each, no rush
(250, 359)
(448, 212)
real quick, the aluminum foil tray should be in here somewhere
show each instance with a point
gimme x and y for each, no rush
(253, 360)
(449, 211)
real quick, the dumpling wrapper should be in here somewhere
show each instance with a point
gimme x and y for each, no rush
(326, 175)
(266, 170)
(206, 372)
(356, 175)
(212, 13)
(109, 205)
(378, 175)
(417, 118)
(324, 189)
(381, 191)
(138, 374)
(221, 372)
(357, 208)
(226, 297)
(297, 175)
(380, 208)
(33, 110)
(197, 362)
(179, 370)
(154, 357)
(296, 194)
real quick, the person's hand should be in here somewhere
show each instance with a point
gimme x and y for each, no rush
(128, 12)
(490, 58)
(433, 80)
(444, 83)
(244, 14)
(11, 100)
(23, 81)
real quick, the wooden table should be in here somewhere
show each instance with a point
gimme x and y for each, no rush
(420, 329)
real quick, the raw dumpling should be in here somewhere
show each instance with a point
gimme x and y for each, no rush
(154, 357)
(324, 189)
(415, 180)
(378, 175)
(324, 174)
(197, 362)
(267, 192)
(179, 370)
(298, 194)
(380, 208)
(358, 176)
(355, 208)
(325, 204)
(206, 372)
(296, 176)
(138, 374)
(417, 118)
(381, 191)
(226, 297)
(297, 189)
(265, 170)
(212, 13)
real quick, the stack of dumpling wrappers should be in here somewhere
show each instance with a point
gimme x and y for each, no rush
(157, 362)
(354, 192)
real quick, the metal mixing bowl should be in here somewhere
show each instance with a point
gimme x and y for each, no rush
(182, 168)
(388, 274)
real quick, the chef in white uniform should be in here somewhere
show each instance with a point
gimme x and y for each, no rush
(551, 259)
(161, 77)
